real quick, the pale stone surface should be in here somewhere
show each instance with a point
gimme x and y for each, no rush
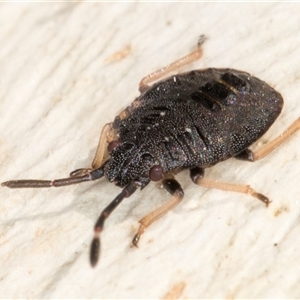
(66, 69)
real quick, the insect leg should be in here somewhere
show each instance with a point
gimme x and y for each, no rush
(32, 183)
(197, 175)
(106, 136)
(174, 188)
(272, 145)
(101, 152)
(127, 191)
(173, 66)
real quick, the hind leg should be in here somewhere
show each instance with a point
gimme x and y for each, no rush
(249, 155)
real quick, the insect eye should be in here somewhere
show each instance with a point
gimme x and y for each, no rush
(112, 145)
(155, 173)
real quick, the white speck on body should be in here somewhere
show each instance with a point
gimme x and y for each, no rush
(188, 129)
(162, 113)
(166, 139)
(174, 78)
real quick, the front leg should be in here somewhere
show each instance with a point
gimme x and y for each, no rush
(174, 188)
(107, 135)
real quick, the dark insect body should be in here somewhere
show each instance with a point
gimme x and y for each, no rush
(193, 119)
(190, 121)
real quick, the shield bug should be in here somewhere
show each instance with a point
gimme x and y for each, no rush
(192, 121)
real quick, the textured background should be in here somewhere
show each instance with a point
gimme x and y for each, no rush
(66, 69)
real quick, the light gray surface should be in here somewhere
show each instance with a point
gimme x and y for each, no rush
(60, 84)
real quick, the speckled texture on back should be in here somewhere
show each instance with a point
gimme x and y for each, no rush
(192, 119)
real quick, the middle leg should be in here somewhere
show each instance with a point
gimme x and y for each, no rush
(197, 175)
(173, 66)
